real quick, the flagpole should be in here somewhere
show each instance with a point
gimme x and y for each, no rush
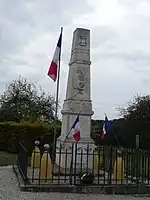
(56, 105)
(114, 133)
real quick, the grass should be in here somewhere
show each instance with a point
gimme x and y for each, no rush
(7, 158)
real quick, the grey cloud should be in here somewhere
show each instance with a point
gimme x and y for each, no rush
(134, 57)
(22, 21)
(130, 4)
(146, 81)
(109, 44)
(50, 15)
(122, 50)
(102, 36)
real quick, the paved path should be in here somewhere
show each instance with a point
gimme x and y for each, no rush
(9, 190)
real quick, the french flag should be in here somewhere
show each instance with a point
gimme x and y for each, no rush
(76, 128)
(106, 127)
(52, 72)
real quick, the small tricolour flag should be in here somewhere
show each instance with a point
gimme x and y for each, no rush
(76, 129)
(52, 72)
(106, 127)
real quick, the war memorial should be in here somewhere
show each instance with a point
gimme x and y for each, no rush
(81, 166)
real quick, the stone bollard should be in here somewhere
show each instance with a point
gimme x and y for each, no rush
(46, 165)
(36, 156)
(98, 160)
(118, 172)
(95, 160)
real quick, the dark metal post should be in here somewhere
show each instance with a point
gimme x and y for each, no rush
(56, 107)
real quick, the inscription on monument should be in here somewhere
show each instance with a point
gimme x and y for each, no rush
(80, 105)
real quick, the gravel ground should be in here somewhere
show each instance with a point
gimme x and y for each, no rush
(9, 190)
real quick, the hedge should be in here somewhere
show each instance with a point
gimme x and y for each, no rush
(27, 132)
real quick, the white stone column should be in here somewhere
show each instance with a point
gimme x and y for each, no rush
(78, 98)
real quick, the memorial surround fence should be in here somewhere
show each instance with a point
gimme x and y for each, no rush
(111, 166)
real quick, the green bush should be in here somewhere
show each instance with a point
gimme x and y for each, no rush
(27, 132)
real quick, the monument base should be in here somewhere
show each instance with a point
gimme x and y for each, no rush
(77, 156)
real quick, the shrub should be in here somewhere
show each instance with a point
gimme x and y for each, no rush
(27, 132)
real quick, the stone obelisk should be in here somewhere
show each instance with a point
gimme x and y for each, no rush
(78, 98)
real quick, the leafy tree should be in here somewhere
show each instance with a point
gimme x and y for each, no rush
(26, 101)
(138, 109)
(8, 114)
(137, 121)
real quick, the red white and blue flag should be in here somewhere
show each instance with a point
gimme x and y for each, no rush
(76, 129)
(52, 72)
(106, 128)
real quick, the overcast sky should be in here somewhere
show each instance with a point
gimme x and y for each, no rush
(120, 46)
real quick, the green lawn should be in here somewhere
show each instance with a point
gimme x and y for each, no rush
(7, 158)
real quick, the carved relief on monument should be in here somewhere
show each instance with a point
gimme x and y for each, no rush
(80, 79)
(82, 40)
